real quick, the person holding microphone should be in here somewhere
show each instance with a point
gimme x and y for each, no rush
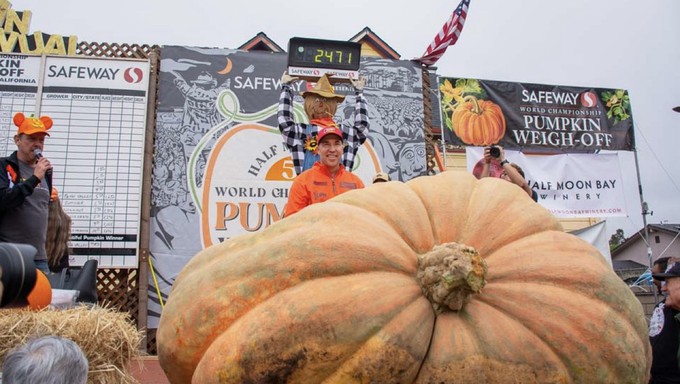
(25, 187)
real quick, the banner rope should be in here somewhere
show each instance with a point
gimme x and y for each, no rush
(155, 283)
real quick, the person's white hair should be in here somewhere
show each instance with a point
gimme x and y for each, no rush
(46, 360)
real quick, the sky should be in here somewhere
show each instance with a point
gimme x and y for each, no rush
(625, 44)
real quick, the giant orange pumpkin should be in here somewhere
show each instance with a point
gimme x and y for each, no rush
(442, 279)
(478, 122)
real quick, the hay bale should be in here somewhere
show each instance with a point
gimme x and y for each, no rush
(107, 337)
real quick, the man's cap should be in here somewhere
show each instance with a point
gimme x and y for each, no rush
(323, 88)
(323, 132)
(31, 125)
(381, 176)
(673, 272)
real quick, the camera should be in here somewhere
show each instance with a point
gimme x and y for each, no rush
(494, 151)
(18, 274)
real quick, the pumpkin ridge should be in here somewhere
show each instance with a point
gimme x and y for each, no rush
(368, 350)
(447, 202)
(407, 216)
(551, 324)
(251, 339)
(496, 203)
(556, 358)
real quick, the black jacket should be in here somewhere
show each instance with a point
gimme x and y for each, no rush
(14, 196)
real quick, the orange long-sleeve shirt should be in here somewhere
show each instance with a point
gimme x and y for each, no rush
(316, 185)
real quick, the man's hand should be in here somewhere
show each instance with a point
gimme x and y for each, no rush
(359, 83)
(288, 79)
(41, 167)
(487, 155)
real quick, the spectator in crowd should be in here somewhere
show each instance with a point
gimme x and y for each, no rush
(381, 177)
(320, 104)
(664, 329)
(25, 187)
(58, 234)
(511, 171)
(46, 360)
(327, 178)
(660, 266)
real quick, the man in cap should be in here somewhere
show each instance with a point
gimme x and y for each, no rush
(320, 104)
(25, 187)
(327, 178)
(664, 329)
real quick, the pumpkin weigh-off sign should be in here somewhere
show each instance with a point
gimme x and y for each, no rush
(441, 279)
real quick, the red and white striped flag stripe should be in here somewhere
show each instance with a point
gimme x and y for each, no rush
(447, 36)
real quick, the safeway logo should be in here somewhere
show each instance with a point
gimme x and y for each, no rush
(588, 99)
(133, 75)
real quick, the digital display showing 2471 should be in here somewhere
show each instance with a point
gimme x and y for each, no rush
(316, 53)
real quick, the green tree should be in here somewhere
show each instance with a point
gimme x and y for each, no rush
(617, 239)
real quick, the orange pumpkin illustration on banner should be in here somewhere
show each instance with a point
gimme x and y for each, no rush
(473, 120)
(478, 122)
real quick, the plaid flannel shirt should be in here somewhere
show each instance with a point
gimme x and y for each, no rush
(295, 134)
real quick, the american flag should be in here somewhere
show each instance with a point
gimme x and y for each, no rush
(447, 36)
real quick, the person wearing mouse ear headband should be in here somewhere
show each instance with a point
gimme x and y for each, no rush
(25, 187)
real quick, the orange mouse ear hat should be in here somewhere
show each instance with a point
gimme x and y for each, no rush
(31, 125)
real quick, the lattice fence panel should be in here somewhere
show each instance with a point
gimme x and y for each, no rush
(128, 51)
(151, 348)
(118, 288)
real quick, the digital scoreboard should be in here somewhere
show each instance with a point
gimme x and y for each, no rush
(309, 59)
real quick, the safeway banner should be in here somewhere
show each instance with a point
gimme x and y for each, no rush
(568, 185)
(535, 117)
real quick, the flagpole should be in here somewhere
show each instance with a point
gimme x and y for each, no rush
(645, 212)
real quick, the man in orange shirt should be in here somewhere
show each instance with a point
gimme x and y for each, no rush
(327, 178)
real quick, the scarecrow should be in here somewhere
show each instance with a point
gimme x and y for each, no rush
(320, 103)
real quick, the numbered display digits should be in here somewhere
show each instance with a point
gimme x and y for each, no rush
(332, 57)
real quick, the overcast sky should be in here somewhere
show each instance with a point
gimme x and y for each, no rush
(625, 44)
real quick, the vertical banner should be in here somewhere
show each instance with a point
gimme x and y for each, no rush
(220, 166)
(535, 117)
(569, 185)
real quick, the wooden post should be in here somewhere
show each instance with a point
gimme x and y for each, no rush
(144, 236)
(427, 121)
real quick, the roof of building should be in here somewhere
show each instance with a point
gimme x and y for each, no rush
(367, 37)
(672, 229)
(621, 265)
(261, 42)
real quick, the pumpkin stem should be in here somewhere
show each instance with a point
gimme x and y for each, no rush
(449, 273)
(475, 104)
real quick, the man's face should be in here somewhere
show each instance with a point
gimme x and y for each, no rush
(330, 151)
(672, 289)
(656, 268)
(26, 144)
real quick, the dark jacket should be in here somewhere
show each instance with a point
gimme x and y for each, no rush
(13, 191)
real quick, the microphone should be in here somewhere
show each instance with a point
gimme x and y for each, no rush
(38, 155)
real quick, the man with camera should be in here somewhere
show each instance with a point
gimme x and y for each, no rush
(511, 171)
(25, 187)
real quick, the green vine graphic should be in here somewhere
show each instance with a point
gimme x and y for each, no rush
(452, 96)
(618, 105)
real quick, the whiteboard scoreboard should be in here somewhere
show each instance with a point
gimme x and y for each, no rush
(96, 144)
